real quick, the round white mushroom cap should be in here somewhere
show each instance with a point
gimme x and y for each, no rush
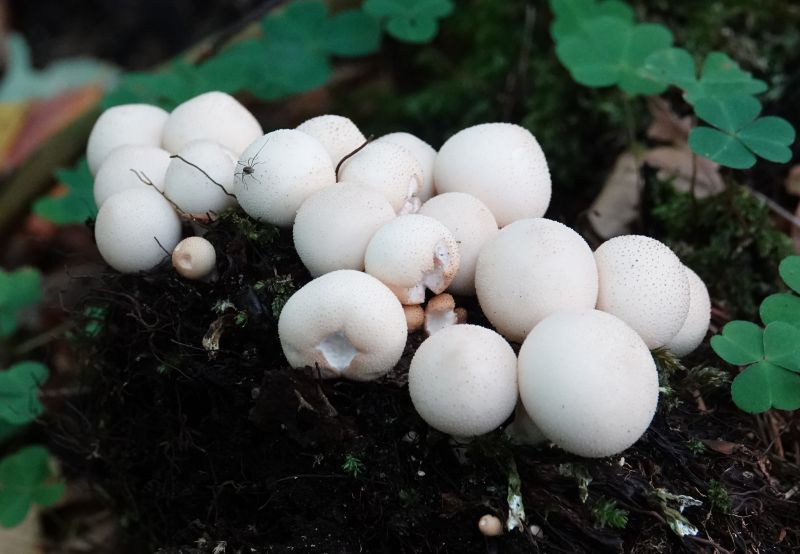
(531, 269)
(139, 124)
(190, 189)
(334, 226)
(337, 134)
(388, 168)
(213, 116)
(499, 163)
(115, 173)
(471, 223)
(423, 152)
(136, 229)
(411, 253)
(194, 258)
(588, 382)
(695, 327)
(643, 283)
(276, 174)
(463, 380)
(347, 323)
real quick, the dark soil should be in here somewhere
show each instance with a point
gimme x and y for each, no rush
(195, 449)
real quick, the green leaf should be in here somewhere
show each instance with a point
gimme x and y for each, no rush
(789, 270)
(610, 51)
(235, 67)
(672, 65)
(740, 343)
(769, 137)
(167, 88)
(763, 386)
(352, 33)
(413, 21)
(782, 345)
(19, 392)
(728, 114)
(8, 430)
(26, 478)
(780, 307)
(77, 205)
(721, 148)
(570, 15)
(722, 76)
(18, 290)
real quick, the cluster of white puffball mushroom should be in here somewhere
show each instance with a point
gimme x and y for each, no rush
(381, 226)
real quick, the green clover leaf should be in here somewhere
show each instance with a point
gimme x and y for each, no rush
(740, 343)
(764, 385)
(18, 289)
(789, 270)
(740, 134)
(8, 430)
(77, 205)
(780, 307)
(570, 15)
(26, 477)
(610, 51)
(352, 33)
(782, 345)
(410, 20)
(19, 392)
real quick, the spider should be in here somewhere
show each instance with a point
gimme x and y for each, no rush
(249, 167)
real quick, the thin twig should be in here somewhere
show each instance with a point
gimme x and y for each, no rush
(351, 154)
(775, 207)
(203, 171)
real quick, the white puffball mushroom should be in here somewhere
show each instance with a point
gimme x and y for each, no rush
(411, 253)
(588, 382)
(643, 283)
(136, 229)
(278, 172)
(346, 323)
(390, 169)
(190, 189)
(214, 115)
(490, 526)
(338, 134)
(424, 153)
(115, 175)
(334, 225)
(194, 258)
(463, 380)
(502, 165)
(441, 312)
(531, 269)
(695, 327)
(471, 223)
(139, 124)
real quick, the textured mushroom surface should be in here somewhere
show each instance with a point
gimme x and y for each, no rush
(278, 172)
(122, 167)
(412, 253)
(200, 186)
(337, 134)
(531, 269)
(334, 226)
(194, 258)
(502, 165)
(463, 380)
(472, 225)
(390, 169)
(213, 116)
(136, 229)
(138, 124)
(695, 326)
(588, 382)
(346, 323)
(425, 155)
(644, 284)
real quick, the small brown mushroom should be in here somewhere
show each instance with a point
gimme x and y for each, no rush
(490, 526)
(441, 312)
(415, 317)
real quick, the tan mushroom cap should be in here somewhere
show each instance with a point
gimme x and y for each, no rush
(339, 135)
(463, 380)
(215, 116)
(695, 327)
(502, 165)
(192, 190)
(278, 172)
(129, 124)
(334, 226)
(588, 382)
(346, 323)
(415, 317)
(115, 173)
(531, 269)
(388, 168)
(425, 155)
(194, 258)
(472, 225)
(441, 312)
(643, 283)
(490, 526)
(412, 253)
